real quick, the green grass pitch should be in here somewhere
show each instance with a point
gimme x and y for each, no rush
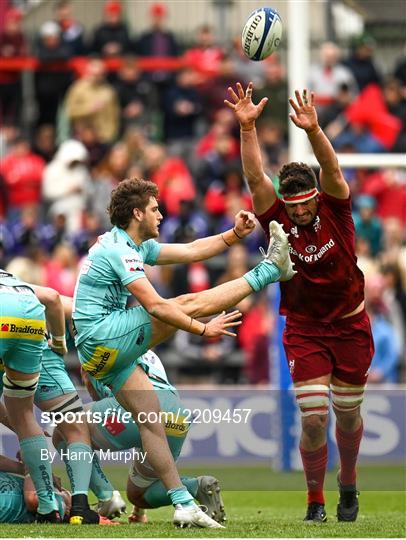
(261, 513)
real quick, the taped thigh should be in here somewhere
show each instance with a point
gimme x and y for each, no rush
(312, 399)
(18, 388)
(67, 403)
(138, 475)
(347, 398)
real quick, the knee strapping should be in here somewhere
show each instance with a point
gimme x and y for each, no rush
(347, 398)
(18, 388)
(68, 404)
(312, 399)
(137, 478)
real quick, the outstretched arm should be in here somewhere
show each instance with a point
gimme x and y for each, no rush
(54, 314)
(305, 117)
(261, 187)
(204, 248)
(169, 312)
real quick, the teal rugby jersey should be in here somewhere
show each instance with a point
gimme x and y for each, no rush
(12, 504)
(113, 262)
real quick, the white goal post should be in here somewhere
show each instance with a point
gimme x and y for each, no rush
(298, 69)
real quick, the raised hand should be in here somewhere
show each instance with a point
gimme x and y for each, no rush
(218, 325)
(245, 110)
(305, 116)
(244, 223)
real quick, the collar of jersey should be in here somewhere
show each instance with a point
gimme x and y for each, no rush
(127, 237)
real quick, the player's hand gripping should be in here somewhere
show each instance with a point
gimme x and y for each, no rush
(244, 223)
(245, 110)
(305, 116)
(218, 326)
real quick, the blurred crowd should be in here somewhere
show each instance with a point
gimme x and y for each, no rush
(98, 127)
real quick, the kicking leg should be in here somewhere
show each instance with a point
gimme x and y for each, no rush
(144, 490)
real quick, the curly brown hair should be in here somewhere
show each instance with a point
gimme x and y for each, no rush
(129, 194)
(296, 177)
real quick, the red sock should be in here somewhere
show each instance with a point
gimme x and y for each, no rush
(348, 448)
(314, 465)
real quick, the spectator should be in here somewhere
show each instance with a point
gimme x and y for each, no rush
(274, 87)
(387, 186)
(215, 163)
(206, 55)
(244, 66)
(257, 325)
(72, 31)
(223, 123)
(51, 84)
(214, 91)
(22, 171)
(361, 63)
(111, 38)
(93, 100)
(45, 142)
(400, 74)
(327, 78)
(190, 218)
(27, 231)
(233, 186)
(205, 358)
(8, 135)
(272, 142)
(157, 43)
(395, 300)
(365, 261)
(87, 236)
(136, 96)
(60, 272)
(182, 110)
(12, 45)
(332, 117)
(367, 223)
(237, 264)
(384, 366)
(170, 173)
(396, 105)
(66, 182)
(26, 269)
(394, 253)
(86, 133)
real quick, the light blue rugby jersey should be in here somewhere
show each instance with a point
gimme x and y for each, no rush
(113, 262)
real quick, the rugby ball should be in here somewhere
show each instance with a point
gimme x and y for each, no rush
(261, 34)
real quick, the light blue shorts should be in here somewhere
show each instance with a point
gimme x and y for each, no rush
(111, 355)
(117, 433)
(22, 330)
(54, 380)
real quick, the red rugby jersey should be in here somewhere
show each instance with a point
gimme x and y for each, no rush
(329, 283)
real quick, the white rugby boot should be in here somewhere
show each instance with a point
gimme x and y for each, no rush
(193, 516)
(113, 507)
(209, 495)
(278, 251)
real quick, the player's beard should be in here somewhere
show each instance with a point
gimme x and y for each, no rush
(148, 231)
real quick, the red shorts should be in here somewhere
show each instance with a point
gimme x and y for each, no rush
(343, 348)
